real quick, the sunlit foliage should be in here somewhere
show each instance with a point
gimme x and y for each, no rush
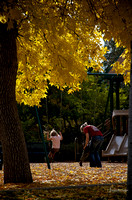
(54, 43)
(114, 20)
(58, 40)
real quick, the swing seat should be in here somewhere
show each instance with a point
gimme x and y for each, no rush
(36, 152)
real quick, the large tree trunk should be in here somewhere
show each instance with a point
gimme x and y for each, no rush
(15, 157)
(129, 174)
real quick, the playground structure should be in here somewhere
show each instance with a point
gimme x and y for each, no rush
(118, 144)
(115, 128)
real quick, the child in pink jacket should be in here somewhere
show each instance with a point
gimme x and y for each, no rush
(55, 138)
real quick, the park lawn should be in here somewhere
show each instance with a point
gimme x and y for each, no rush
(100, 192)
(70, 181)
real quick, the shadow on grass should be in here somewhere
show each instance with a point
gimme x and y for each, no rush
(92, 192)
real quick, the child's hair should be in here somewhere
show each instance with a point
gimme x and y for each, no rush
(53, 133)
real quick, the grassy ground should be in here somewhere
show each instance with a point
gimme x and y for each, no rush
(70, 181)
(100, 192)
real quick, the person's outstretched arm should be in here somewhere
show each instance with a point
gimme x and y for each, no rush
(61, 135)
(48, 136)
(86, 141)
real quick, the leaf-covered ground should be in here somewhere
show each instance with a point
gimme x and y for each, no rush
(70, 181)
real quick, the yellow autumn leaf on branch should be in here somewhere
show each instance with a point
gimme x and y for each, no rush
(59, 40)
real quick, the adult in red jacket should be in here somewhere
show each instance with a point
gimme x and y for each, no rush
(93, 133)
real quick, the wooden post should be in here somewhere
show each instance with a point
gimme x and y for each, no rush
(129, 171)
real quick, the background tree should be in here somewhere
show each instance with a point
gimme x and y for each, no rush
(40, 41)
(112, 55)
(53, 39)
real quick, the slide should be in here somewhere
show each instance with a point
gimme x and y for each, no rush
(123, 150)
(113, 146)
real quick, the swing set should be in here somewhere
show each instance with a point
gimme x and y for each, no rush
(112, 78)
(118, 144)
(41, 130)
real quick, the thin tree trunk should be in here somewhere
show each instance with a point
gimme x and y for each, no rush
(15, 157)
(129, 173)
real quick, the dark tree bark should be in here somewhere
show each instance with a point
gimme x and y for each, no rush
(15, 157)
